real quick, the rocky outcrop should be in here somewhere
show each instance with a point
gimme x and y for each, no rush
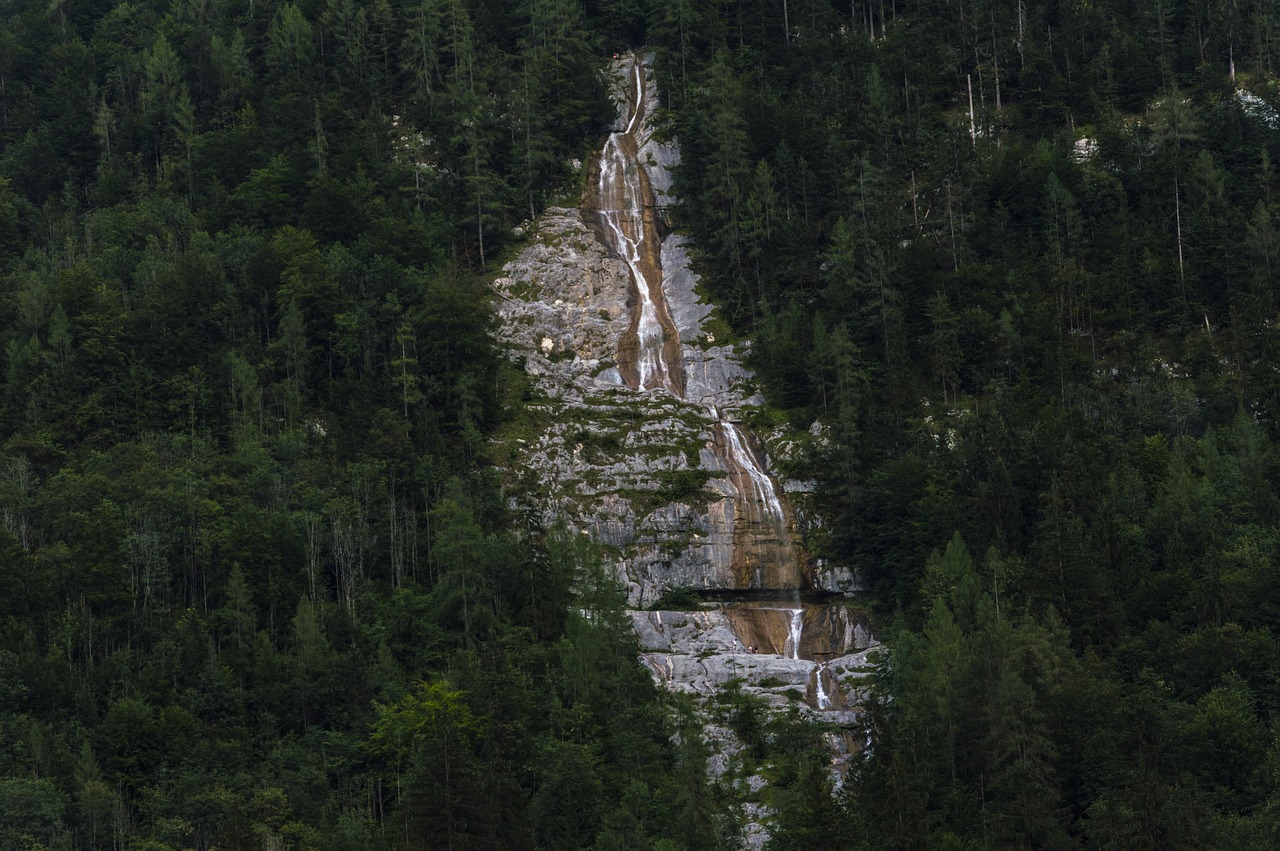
(639, 470)
(699, 652)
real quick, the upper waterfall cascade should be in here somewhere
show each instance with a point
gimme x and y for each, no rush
(649, 353)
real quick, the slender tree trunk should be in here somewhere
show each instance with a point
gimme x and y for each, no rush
(915, 207)
(1177, 216)
(973, 130)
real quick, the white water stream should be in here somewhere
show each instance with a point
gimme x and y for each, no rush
(795, 628)
(623, 200)
(636, 109)
(820, 690)
(762, 487)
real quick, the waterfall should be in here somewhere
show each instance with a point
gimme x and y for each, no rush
(762, 489)
(650, 353)
(819, 690)
(638, 108)
(625, 208)
(794, 630)
(627, 236)
(765, 555)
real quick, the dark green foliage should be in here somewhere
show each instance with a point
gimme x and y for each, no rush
(258, 585)
(678, 600)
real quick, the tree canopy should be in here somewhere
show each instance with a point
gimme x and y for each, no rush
(1011, 265)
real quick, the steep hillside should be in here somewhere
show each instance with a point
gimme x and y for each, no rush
(636, 432)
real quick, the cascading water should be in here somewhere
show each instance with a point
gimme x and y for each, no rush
(795, 630)
(637, 108)
(649, 353)
(762, 489)
(821, 698)
(764, 553)
(627, 239)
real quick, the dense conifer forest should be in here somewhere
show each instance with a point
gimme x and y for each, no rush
(261, 585)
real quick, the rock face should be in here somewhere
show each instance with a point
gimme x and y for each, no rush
(699, 652)
(644, 472)
(659, 468)
(797, 630)
(668, 477)
(635, 432)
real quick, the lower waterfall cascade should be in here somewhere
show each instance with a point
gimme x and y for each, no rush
(795, 629)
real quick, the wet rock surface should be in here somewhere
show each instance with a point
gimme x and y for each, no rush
(638, 469)
(701, 652)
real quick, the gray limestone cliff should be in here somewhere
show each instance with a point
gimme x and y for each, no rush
(653, 459)
(638, 470)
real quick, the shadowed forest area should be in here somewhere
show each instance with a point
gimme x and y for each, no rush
(261, 585)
